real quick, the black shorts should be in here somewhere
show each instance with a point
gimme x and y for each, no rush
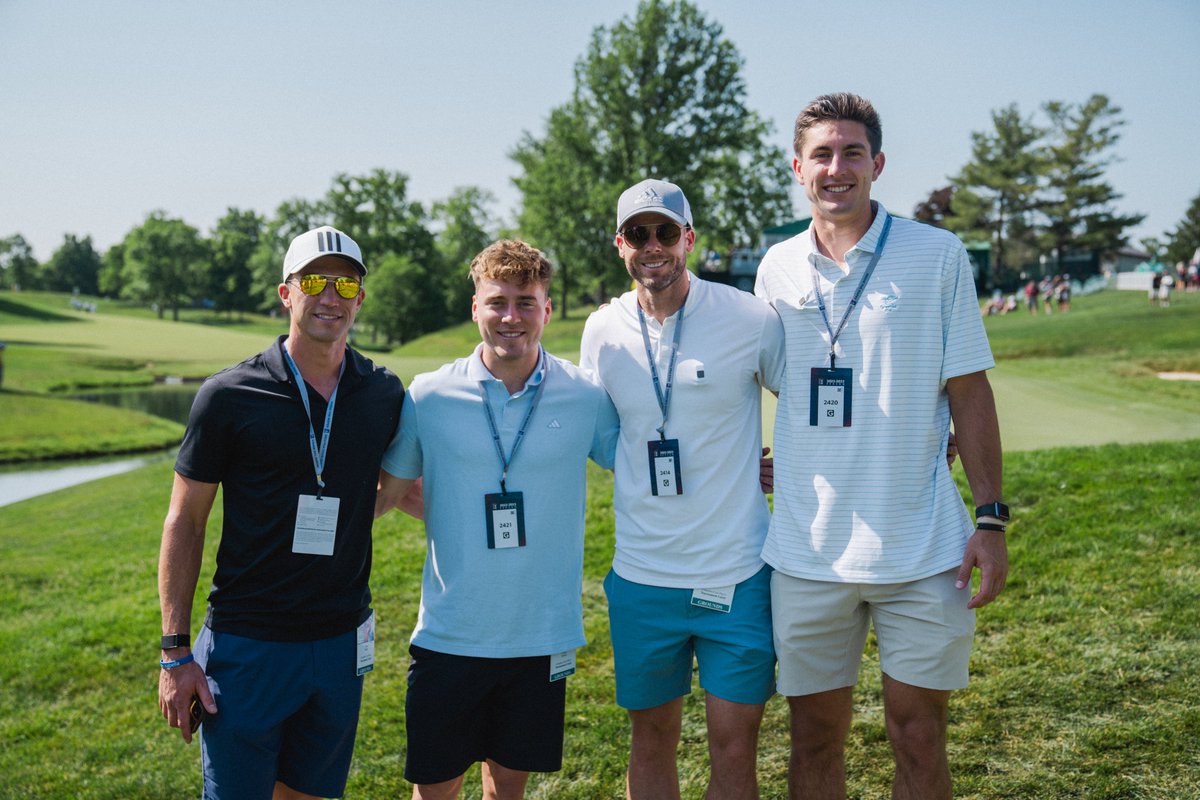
(463, 709)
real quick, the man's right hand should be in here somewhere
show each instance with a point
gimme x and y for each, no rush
(176, 687)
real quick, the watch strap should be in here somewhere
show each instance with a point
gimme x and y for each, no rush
(172, 640)
(997, 509)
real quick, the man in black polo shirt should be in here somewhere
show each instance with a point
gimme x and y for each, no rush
(294, 435)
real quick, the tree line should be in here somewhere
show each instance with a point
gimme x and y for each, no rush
(658, 94)
(1035, 191)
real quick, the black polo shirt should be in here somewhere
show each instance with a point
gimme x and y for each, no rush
(248, 431)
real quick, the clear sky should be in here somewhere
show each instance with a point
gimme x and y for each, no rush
(113, 109)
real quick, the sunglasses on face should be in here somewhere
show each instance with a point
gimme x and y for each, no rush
(637, 236)
(313, 285)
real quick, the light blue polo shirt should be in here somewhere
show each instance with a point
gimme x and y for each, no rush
(515, 602)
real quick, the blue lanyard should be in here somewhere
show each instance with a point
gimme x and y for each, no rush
(833, 336)
(318, 453)
(664, 398)
(505, 461)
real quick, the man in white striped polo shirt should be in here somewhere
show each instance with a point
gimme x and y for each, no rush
(884, 348)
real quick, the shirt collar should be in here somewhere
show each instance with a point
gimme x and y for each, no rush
(478, 372)
(277, 365)
(869, 239)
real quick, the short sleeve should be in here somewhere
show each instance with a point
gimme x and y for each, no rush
(606, 434)
(403, 455)
(205, 447)
(771, 352)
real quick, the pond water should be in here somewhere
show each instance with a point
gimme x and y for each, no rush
(25, 483)
(170, 401)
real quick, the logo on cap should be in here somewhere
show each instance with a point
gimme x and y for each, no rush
(329, 241)
(648, 196)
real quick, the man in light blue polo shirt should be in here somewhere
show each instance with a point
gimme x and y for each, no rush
(501, 439)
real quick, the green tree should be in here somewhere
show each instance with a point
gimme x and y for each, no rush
(375, 210)
(232, 244)
(18, 267)
(661, 95)
(996, 192)
(74, 267)
(467, 228)
(1078, 203)
(1183, 243)
(112, 271)
(165, 263)
(401, 303)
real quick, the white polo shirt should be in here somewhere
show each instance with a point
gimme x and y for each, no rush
(520, 601)
(875, 502)
(731, 346)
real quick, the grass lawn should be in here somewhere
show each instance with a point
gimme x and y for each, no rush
(1085, 673)
(32, 427)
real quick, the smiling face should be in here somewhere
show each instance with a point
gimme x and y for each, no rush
(836, 169)
(325, 318)
(511, 319)
(655, 267)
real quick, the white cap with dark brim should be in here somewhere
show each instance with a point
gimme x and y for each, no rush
(322, 241)
(656, 197)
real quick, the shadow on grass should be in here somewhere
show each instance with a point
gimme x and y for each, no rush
(24, 312)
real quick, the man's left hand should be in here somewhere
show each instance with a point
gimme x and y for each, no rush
(987, 551)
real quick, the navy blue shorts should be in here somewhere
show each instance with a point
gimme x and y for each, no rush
(286, 711)
(463, 709)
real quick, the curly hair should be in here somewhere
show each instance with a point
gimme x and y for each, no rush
(512, 261)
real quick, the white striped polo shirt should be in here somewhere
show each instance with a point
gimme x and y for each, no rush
(875, 502)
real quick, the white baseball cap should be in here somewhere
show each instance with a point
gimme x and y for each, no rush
(322, 241)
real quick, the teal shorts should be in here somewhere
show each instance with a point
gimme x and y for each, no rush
(657, 632)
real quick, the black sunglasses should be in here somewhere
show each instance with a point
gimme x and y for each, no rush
(637, 236)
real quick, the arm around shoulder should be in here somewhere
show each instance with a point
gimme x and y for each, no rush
(402, 493)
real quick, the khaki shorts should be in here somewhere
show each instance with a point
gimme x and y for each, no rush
(923, 627)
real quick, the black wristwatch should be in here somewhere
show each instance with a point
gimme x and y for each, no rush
(172, 640)
(998, 510)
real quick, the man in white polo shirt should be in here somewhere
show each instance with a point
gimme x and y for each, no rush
(884, 348)
(685, 361)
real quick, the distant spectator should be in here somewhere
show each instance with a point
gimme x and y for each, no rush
(995, 305)
(1063, 288)
(1031, 296)
(1193, 277)
(1046, 288)
(1155, 286)
(1164, 289)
